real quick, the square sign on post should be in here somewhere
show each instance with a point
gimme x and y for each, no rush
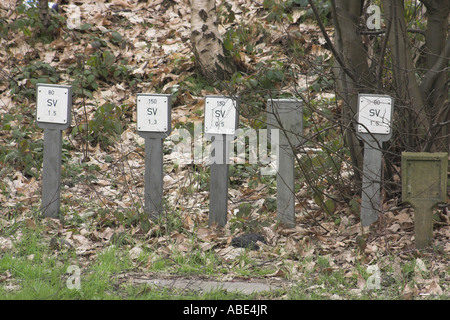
(221, 115)
(424, 176)
(53, 114)
(424, 185)
(53, 105)
(374, 127)
(374, 114)
(221, 124)
(154, 113)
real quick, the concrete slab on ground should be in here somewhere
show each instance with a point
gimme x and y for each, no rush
(245, 287)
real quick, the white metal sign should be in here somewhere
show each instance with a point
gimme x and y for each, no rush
(374, 114)
(221, 115)
(52, 103)
(153, 112)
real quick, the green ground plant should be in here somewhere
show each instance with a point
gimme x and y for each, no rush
(30, 25)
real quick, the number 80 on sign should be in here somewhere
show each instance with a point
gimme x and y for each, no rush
(53, 104)
(375, 114)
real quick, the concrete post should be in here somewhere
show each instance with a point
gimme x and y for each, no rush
(53, 114)
(424, 185)
(286, 115)
(154, 113)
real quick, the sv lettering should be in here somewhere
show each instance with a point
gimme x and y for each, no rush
(374, 112)
(51, 102)
(220, 113)
(152, 111)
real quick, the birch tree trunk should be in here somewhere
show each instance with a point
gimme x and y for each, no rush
(207, 44)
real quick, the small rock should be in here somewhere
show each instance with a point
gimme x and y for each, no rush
(135, 252)
(248, 241)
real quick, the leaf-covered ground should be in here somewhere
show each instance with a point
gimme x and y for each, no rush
(119, 48)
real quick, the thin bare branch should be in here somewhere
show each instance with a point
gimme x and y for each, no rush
(330, 43)
(437, 68)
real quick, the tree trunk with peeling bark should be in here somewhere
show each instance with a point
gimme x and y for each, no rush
(206, 41)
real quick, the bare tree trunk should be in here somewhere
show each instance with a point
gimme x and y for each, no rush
(434, 85)
(361, 79)
(410, 103)
(206, 42)
(422, 112)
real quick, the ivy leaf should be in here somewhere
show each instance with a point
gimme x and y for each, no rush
(228, 44)
(116, 37)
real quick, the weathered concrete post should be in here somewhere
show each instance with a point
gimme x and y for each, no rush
(153, 124)
(53, 114)
(221, 123)
(218, 203)
(374, 127)
(285, 115)
(424, 185)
